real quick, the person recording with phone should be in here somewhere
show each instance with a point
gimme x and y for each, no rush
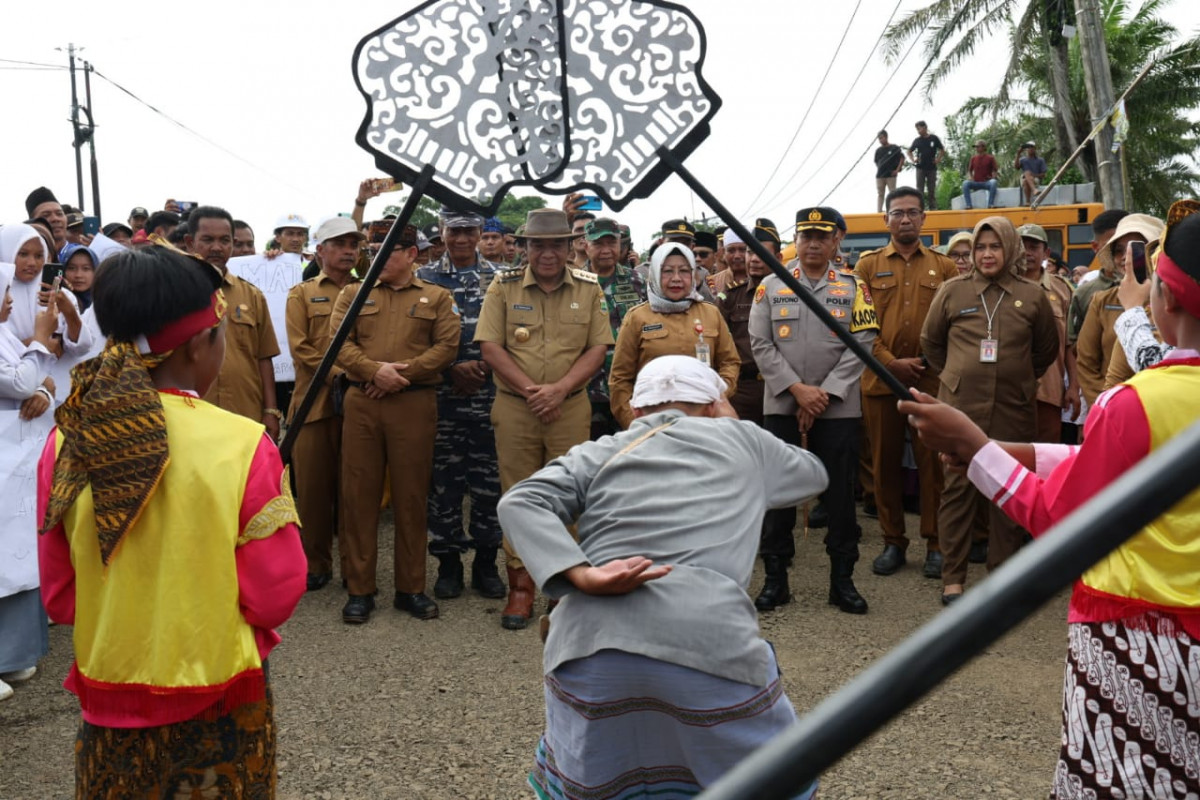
(1136, 333)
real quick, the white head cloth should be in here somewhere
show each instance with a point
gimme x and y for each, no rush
(676, 379)
(730, 237)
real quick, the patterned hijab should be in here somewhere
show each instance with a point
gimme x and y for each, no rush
(1014, 251)
(658, 301)
(114, 429)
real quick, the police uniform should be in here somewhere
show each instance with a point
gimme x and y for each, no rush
(464, 458)
(623, 290)
(316, 455)
(996, 389)
(544, 333)
(902, 289)
(249, 338)
(792, 345)
(647, 334)
(417, 325)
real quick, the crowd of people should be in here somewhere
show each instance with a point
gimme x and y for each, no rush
(472, 370)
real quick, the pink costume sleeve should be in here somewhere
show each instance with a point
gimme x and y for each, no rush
(1117, 436)
(271, 570)
(54, 551)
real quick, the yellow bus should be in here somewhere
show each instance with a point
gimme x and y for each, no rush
(1068, 227)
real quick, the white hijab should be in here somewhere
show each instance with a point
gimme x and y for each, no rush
(658, 301)
(11, 348)
(25, 295)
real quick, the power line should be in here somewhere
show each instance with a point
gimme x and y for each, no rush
(831, 117)
(804, 116)
(32, 63)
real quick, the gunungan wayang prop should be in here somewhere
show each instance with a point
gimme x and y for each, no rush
(468, 99)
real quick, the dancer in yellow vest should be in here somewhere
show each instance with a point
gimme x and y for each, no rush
(169, 541)
(1130, 721)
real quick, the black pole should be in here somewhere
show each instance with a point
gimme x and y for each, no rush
(339, 337)
(87, 91)
(789, 280)
(951, 639)
(77, 142)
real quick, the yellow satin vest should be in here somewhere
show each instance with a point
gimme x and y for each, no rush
(165, 614)
(1161, 563)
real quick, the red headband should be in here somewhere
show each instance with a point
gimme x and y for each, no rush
(176, 333)
(1183, 286)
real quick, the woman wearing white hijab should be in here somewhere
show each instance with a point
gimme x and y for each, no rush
(23, 633)
(674, 321)
(22, 246)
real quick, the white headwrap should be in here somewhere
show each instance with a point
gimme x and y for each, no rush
(730, 237)
(25, 295)
(676, 379)
(658, 301)
(11, 348)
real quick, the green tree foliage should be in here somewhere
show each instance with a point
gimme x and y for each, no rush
(513, 209)
(425, 214)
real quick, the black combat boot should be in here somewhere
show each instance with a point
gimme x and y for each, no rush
(450, 576)
(775, 588)
(484, 578)
(841, 586)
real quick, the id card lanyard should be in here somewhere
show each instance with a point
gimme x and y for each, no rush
(989, 348)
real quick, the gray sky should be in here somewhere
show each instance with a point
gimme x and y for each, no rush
(271, 82)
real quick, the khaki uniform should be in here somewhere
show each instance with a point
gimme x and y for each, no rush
(417, 325)
(249, 338)
(903, 291)
(647, 334)
(1081, 300)
(316, 455)
(545, 333)
(1051, 388)
(1096, 342)
(735, 301)
(999, 396)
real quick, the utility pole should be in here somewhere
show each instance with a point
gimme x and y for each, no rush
(78, 142)
(87, 89)
(1097, 77)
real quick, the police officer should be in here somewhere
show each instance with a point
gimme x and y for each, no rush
(623, 289)
(316, 456)
(812, 387)
(464, 455)
(903, 278)
(404, 337)
(544, 330)
(735, 300)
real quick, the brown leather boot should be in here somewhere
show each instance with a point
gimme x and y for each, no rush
(521, 592)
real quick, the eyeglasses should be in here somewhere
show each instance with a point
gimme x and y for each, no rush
(911, 213)
(961, 256)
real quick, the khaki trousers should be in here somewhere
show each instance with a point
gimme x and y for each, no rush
(886, 430)
(524, 445)
(316, 459)
(961, 503)
(393, 435)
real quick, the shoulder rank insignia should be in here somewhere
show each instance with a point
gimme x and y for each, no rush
(584, 275)
(509, 275)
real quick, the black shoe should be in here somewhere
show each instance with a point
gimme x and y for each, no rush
(870, 509)
(484, 577)
(818, 517)
(947, 599)
(933, 565)
(418, 605)
(449, 581)
(358, 609)
(841, 588)
(775, 591)
(979, 553)
(318, 581)
(889, 561)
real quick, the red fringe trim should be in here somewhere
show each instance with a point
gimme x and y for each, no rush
(145, 705)
(1095, 606)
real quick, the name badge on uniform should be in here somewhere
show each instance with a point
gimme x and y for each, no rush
(988, 350)
(970, 310)
(369, 303)
(647, 328)
(522, 307)
(319, 300)
(884, 274)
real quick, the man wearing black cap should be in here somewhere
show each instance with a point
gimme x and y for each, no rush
(623, 289)
(464, 456)
(437, 246)
(119, 232)
(735, 301)
(137, 218)
(812, 387)
(705, 251)
(41, 204)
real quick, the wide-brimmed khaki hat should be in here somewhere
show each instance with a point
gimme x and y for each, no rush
(547, 223)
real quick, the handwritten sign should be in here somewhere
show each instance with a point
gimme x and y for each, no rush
(23, 441)
(274, 277)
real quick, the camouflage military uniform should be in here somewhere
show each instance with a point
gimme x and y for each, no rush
(623, 290)
(465, 451)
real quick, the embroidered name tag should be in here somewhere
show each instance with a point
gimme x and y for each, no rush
(1111, 307)
(884, 274)
(520, 307)
(320, 300)
(647, 328)
(970, 310)
(369, 303)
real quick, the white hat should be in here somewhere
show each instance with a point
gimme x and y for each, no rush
(730, 237)
(335, 227)
(676, 379)
(291, 221)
